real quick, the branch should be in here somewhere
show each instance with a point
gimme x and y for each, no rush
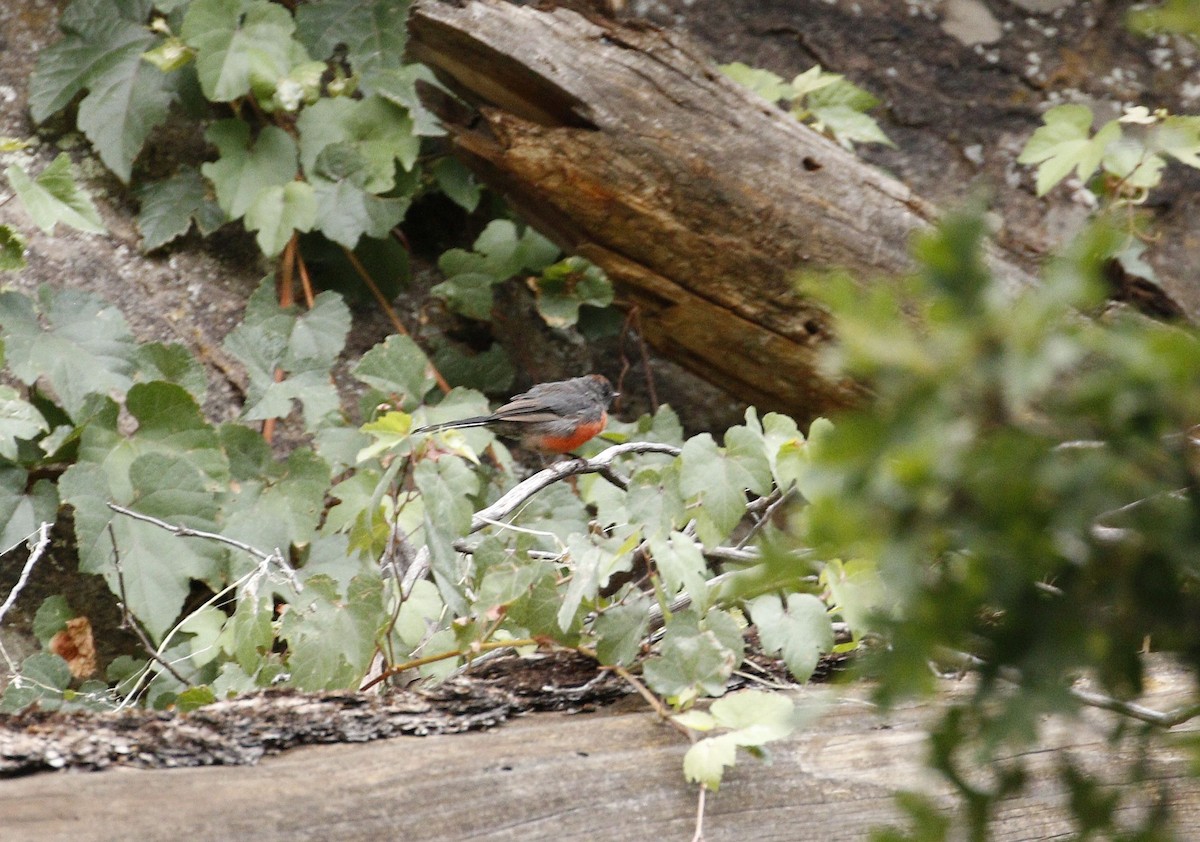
(600, 464)
(127, 619)
(188, 532)
(43, 533)
(1158, 718)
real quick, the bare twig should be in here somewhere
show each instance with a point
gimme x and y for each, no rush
(485, 646)
(127, 619)
(43, 533)
(773, 505)
(188, 532)
(305, 281)
(599, 464)
(698, 836)
(35, 553)
(1159, 718)
(388, 309)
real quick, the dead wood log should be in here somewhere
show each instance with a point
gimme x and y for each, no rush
(615, 775)
(625, 144)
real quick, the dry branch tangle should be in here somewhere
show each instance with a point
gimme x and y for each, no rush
(626, 145)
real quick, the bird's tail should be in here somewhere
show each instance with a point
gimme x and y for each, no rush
(477, 421)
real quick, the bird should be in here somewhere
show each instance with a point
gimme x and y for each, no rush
(552, 417)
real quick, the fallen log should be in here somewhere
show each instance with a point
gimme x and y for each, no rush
(614, 775)
(625, 144)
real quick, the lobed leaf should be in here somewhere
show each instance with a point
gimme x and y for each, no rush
(54, 197)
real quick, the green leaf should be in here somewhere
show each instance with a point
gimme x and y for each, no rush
(720, 478)
(85, 347)
(1179, 137)
(278, 212)
(23, 511)
(800, 631)
(203, 628)
(757, 717)
(172, 363)
(169, 421)
(766, 84)
(43, 678)
(397, 367)
(456, 181)
(248, 636)
(12, 249)
(504, 584)
(346, 212)
(468, 294)
(379, 132)
(681, 564)
(849, 126)
(814, 79)
(19, 419)
(194, 698)
(51, 618)
(169, 207)
(620, 631)
(101, 52)
(705, 761)
(163, 486)
(245, 170)
(692, 662)
(695, 719)
(587, 561)
(1064, 143)
(857, 592)
(398, 84)
(374, 33)
(491, 370)
(170, 54)
(1170, 16)
(331, 637)
(304, 345)
(447, 487)
(54, 197)
(839, 92)
(281, 509)
(566, 286)
(240, 44)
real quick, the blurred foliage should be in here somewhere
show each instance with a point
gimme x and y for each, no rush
(1024, 480)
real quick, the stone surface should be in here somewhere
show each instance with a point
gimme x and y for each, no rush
(970, 22)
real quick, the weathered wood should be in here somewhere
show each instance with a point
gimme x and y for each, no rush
(625, 144)
(614, 775)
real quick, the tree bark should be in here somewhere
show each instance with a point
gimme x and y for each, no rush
(625, 144)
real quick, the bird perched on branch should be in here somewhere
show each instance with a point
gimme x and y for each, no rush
(551, 417)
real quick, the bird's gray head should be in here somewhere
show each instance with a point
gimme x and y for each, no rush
(598, 385)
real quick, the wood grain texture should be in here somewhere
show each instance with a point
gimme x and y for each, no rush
(625, 144)
(613, 775)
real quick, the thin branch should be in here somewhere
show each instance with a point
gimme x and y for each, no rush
(1162, 719)
(287, 265)
(305, 281)
(43, 533)
(698, 836)
(127, 618)
(442, 656)
(599, 464)
(781, 499)
(416, 571)
(388, 309)
(188, 532)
